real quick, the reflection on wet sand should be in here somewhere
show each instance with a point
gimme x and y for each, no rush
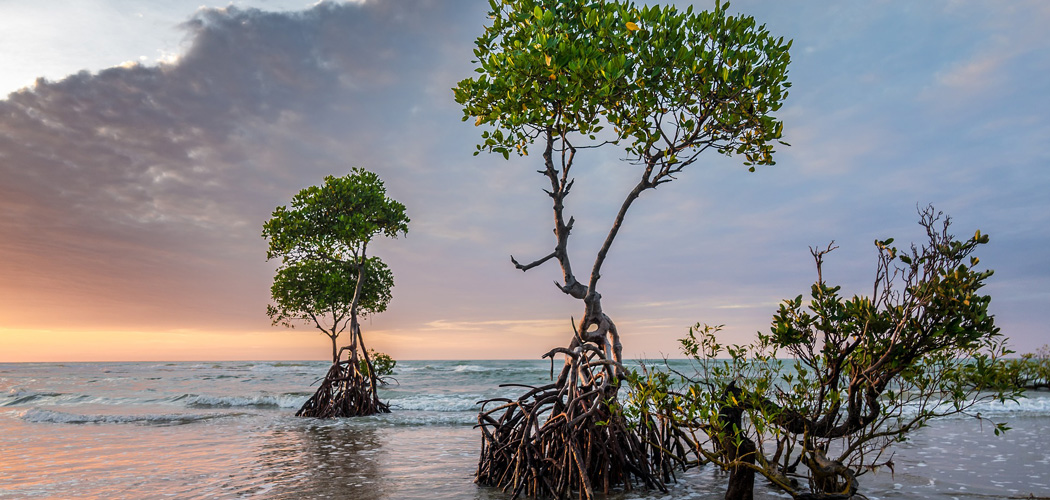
(349, 459)
(321, 460)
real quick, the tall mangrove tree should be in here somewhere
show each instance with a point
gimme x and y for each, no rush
(664, 86)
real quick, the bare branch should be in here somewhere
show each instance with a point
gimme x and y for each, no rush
(526, 267)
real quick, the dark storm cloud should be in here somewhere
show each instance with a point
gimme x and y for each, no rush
(134, 196)
(165, 173)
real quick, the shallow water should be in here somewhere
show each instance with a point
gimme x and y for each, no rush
(227, 430)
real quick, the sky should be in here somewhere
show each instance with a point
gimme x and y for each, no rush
(143, 144)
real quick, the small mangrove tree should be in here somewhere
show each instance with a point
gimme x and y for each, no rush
(328, 280)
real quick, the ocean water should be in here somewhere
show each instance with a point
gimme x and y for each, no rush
(228, 430)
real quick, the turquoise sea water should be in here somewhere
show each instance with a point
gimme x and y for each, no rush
(227, 430)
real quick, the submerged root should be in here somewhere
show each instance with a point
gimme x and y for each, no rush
(566, 437)
(346, 391)
(831, 479)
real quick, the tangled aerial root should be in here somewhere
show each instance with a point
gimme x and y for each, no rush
(346, 391)
(569, 436)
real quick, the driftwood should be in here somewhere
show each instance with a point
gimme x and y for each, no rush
(347, 390)
(567, 437)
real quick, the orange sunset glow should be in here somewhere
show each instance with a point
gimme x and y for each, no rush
(136, 174)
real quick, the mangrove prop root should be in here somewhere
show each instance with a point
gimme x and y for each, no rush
(346, 391)
(567, 438)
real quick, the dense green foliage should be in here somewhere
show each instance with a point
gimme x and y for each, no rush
(1030, 372)
(664, 79)
(382, 362)
(308, 290)
(837, 380)
(326, 277)
(335, 221)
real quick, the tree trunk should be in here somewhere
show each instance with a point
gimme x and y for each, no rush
(832, 479)
(739, 450)
(742, 477)
(372, 378)
(570, 436)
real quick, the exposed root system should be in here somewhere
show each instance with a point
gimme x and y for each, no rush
(568, 438)
(346, 391)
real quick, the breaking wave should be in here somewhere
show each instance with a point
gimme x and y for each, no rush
(438, 402)
(16, 397)
(260, 401)
(37, 415)
(1035, 404)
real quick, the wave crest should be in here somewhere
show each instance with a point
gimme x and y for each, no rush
(261, 401)
(37, 415)
(16, 397)
(438, 402)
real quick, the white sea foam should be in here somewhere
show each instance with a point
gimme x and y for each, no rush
(473, 368)
(424, 368)
(37, 415)
(287, 366)
(468, 368)
(260, 401)
(428, 419)
(1037, 403)
(438, 402)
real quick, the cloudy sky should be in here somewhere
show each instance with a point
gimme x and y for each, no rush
(142, 145)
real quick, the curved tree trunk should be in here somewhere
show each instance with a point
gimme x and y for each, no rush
(371, 375)
(570, 436)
